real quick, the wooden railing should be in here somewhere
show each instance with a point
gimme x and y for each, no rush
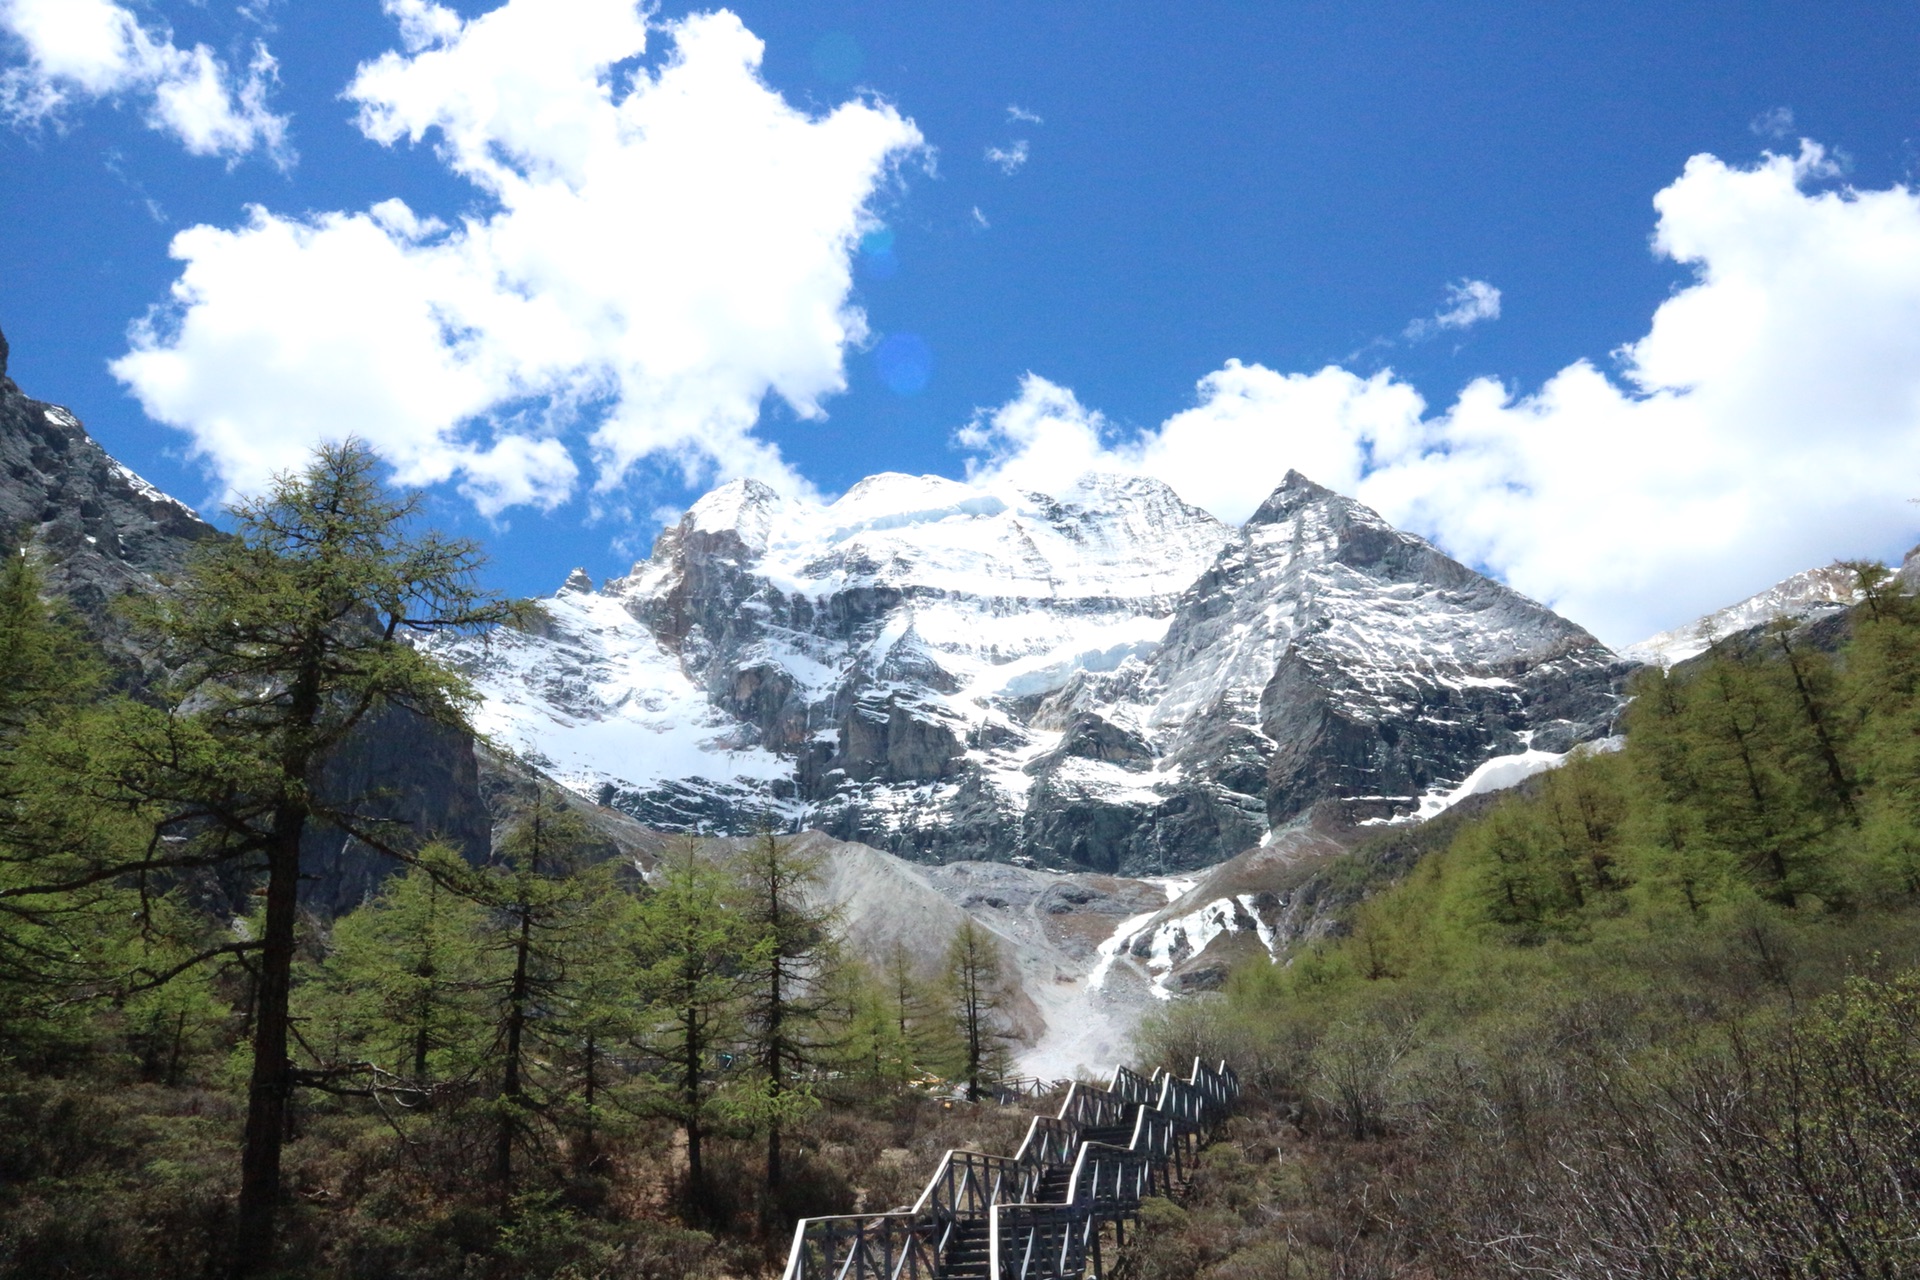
(1039, 1241)
(1133, 1086)
(1015, 1088)
(869, 1246)
(1029, 1239)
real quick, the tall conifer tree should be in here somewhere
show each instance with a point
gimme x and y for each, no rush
(286, 641)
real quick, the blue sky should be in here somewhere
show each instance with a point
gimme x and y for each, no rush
(1116, 199)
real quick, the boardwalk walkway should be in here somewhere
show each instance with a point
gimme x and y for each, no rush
(1043, 1212)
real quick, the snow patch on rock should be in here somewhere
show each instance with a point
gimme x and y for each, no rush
(1801, 598)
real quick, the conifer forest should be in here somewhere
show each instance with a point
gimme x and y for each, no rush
(1654, 1013)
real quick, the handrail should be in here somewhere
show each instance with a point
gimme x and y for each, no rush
(1165, 1119)
(868, 1246)
(1131, 1085)
(1093, 1107)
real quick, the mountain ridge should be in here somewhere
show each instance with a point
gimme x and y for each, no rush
(1106, 678)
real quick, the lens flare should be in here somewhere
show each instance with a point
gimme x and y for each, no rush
(904, 362)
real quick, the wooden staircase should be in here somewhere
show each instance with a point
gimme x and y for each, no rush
(1040, 1214)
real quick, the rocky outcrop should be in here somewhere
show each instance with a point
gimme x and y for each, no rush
(1806, 597)
(101, 529)
(104, 532)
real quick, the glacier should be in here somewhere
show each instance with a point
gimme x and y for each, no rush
(1105, 677)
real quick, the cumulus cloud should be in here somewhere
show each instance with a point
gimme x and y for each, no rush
(662, 249)
(1768, 420)
(1010, 158)
(87, 50)
(1468, 303)
(1226, 453)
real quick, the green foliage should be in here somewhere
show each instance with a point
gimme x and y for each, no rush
(977, 998)
(893, 1029)
(401, 986)
(561, 995)
(1652, 1014)
(534, 1013)
(696, 954)
(790, 985)
(61, 921)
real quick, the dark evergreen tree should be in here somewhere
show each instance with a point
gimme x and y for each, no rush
(697, 955)
(286, 640)
(977, 987)
(789, 990)
(540, 894)
(64, 915)
(402, 985)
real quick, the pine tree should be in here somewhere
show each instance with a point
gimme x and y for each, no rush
(1816, 726)
(977, 986)
(1747, 803)
(696, 952)
(168, 1023)
(1668, 844)
(286, 640)
(911, 1005)
(539, 894)
(63, 920)
(869, 1046)
(601, 1011)
(1523, 880)
(401, 985)
(1880, 692)
(789, 990)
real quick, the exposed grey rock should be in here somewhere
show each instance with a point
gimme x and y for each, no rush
(101, 529)
(105, 533)
(1107, 678)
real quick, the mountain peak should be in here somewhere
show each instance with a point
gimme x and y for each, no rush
(744, 508)
(1103, 676)
(1293, 493)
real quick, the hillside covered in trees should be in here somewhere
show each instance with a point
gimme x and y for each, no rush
(518, 1060)
(1655, 1014)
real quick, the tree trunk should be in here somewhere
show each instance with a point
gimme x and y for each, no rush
(271, 1085)
(589, 1137)
(510, 1091)
(1810, 707)
(776, 1056)
(690, 1097)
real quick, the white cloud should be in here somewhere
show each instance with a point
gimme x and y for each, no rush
(1775, 123)
(1767, 422)
(666, 248)
(87, 50)
(1017, 114)
(1468, 303)
(1226, 453)
(1009, 158)
(980, 219)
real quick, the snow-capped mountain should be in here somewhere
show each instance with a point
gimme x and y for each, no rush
(1104, 677)
(1804, 597)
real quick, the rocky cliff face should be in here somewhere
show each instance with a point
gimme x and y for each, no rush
(1103, 678)
(102, 529)
(104, 532)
